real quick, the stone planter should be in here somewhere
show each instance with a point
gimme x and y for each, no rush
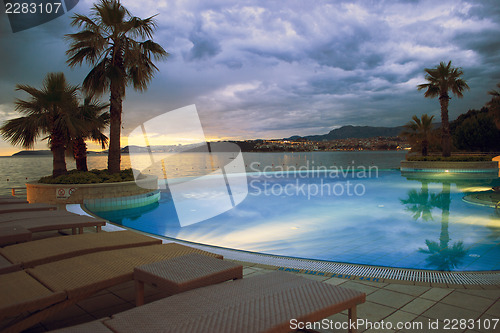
(447, 166)
(80, 193)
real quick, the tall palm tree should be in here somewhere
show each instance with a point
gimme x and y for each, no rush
(494, 104)
(442, 79)
(419, 131)
(47, 112)
(95, 117)
(441, 255)
(107, 42)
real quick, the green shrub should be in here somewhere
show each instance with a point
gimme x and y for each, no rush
(89, 177)
(464, 158)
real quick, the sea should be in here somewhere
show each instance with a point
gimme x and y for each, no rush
(16, 171)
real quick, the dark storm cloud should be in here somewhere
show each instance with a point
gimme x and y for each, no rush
(279, 68)
(204, 45)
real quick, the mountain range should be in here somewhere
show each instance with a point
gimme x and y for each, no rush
(349, 131)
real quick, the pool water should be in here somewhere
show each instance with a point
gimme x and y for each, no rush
(382, 218)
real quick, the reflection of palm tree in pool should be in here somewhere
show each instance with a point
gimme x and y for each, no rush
(419, 203)
(441, 255)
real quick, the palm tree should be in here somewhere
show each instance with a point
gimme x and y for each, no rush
(441, 255)
(419, 203)
(494, 104)
(93, 114)
(442, 79)
(47, 112)
(107, 42)
(419, 131)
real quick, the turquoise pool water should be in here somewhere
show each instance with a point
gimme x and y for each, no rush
(382, 218)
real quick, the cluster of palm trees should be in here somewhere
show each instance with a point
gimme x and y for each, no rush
(120, 49)
(441, 80)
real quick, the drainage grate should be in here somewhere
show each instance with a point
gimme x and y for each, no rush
(369, 273)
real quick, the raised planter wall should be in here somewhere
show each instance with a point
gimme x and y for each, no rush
(442, 166)
(78, 193)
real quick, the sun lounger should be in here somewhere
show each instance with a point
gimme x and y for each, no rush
(8, 217)
(49, 288)
(265, 303)
(56, 221)
(8, 199)
(22, 207)
(13, 234)
(47, 250)
(7, 267)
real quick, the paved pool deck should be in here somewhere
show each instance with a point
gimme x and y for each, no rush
(417, 307)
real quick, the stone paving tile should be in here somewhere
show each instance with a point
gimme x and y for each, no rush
(373, 284)
(335, 281)
(49, 326)
(491, 294)
(107, 312)
(124, 285)
(465, 301)
(248, 270)
(315, 277)
(128, 294)
(406, 289)
(487, 323)
(331, 320)
(256, 272)
(35, 329)
(373, 311)
(69, 312)
(379, 330)
(443, 311)
(401, 317)
(436, 294)
(494, 309)
(100, 302)
(426, 324)
(389, 298)
(359, 287)
(418, 306)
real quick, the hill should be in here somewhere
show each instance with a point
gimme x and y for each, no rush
(349, 131)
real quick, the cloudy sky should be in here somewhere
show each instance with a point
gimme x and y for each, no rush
(272, 69)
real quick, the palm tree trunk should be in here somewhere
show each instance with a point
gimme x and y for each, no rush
(444, 237)
(115, 114)
(425, 145)
(80, 154)
(58, 157)
(445, 125)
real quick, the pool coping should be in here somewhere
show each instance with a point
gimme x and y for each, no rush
(368, 273)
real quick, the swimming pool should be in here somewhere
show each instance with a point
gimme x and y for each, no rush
(367, 217)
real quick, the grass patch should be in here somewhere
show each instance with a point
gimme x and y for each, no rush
(464, 158)
(89, 177)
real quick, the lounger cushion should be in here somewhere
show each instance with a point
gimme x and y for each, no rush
(5, 200)
(56, 223)
(51, 249)
(95, 271)
(7, 217)
(265, 303)
(21, 292)
(9, 208)
(6, 266)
